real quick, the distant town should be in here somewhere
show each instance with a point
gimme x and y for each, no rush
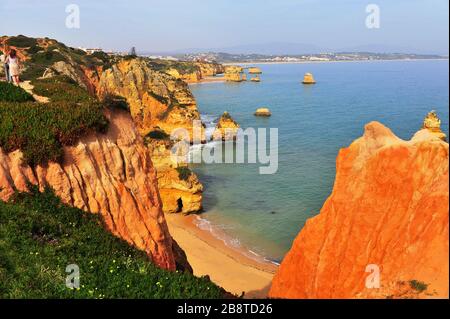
(321, 57)
(261, 58)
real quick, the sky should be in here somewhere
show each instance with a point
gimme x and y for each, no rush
(420, 26)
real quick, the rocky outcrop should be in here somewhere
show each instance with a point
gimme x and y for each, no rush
(234, 73)
(209, 69)
(433, 124)
(109, 174)
(233, 69)
(389, 212)
(263, 111)
(226, 128)
(159, 102)
(179, 193)
(308, 79)
(194, 72)
(254, 70)
(156, 100)
(192, 77)
(84, 77)
(235, 77)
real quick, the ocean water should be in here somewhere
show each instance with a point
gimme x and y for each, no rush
(264, 213)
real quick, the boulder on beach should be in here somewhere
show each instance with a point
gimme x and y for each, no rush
(263, 111)
(308, 79)
(226, 129)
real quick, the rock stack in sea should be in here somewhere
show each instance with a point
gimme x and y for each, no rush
(308, 79)
(234, 73)
(254, 70)
(433, 124)
(226, 129)
(263, 111)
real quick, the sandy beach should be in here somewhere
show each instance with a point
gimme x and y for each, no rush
(210, 79)
(227, 267)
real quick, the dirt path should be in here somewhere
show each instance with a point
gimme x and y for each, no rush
(26, 85)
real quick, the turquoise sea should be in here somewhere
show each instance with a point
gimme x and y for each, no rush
(264, 213)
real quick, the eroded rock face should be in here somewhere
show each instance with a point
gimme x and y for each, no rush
(389, 208)
(226, 129)
(111, 175)
(192, 77)
(157, 100)
(178, 195)
(196, 71)
(210, 69)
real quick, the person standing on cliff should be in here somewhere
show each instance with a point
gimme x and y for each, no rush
(3, 58)
(14, 69)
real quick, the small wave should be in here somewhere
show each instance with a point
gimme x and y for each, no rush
(229, 241)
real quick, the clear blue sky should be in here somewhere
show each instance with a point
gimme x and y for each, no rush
(420, 25)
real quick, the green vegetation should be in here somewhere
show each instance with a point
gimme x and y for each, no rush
(22, 41)
(419, 286)
(159, 98)
(47, 57)
(41, 130)
(60, 89)
(42, 57)
(184, 172)
(158, 135)
(181, 66)
(12, 93)
(40, 237)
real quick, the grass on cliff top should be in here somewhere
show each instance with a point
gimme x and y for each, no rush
(40, 237)
(12, 93)
(21, 41)
(41, 130)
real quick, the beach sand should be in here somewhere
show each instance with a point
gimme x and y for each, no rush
(210, 79)
(228, 267)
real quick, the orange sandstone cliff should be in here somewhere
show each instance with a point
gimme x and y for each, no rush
(389, 209)
(159, 103)
(109, 174)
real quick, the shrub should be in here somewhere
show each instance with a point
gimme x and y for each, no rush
(11, 93)
(418, 285)
(40, 236)
(184, 173)
(22, 41)
(47, 58)
(158, 135)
